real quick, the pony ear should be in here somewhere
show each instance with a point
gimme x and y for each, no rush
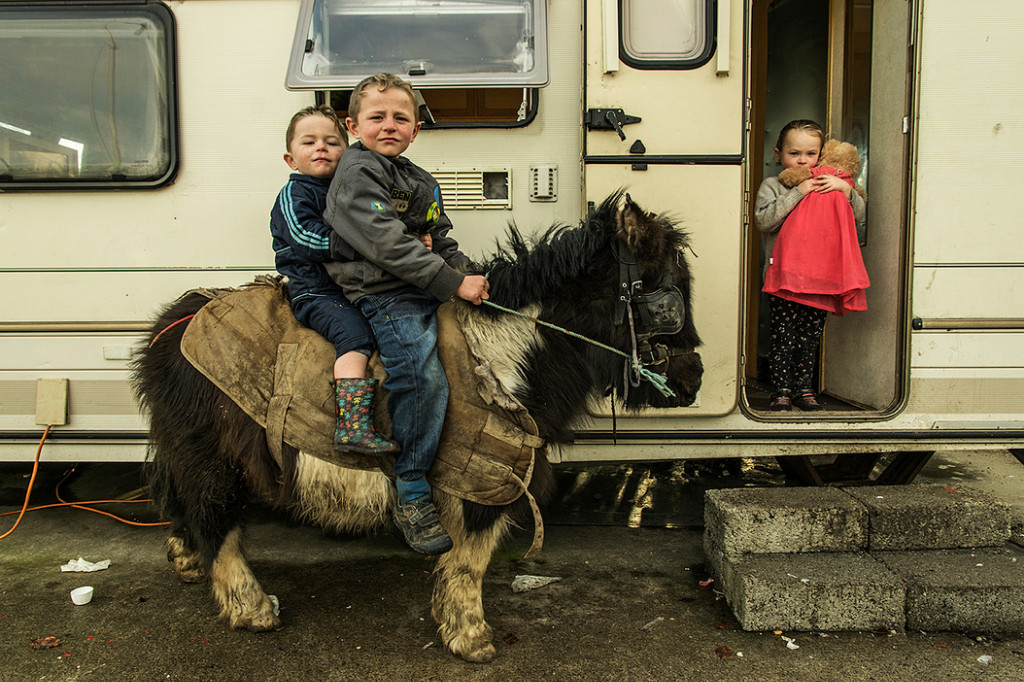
(634, 224)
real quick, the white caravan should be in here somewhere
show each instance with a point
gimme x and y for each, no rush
(140, 153)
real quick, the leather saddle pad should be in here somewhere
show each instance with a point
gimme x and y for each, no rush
(249, 344)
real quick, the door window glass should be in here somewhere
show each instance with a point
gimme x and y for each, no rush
(666, 33)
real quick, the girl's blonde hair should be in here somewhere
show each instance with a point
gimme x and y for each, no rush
(319, 110)
(382, 81)
(806, 125)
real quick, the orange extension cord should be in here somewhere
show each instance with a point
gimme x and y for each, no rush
(76, 505)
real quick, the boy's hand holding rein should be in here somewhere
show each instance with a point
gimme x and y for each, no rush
(473, 289)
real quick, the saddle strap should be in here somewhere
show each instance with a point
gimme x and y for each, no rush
(277, 410)
(538, 519)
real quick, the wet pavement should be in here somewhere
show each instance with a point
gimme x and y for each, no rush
(625, 542)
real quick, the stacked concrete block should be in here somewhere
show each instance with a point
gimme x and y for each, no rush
(914, 517)
(963, 590)
(885, 557)
(826, 591)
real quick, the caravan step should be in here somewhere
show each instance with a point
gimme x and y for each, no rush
(886, 518)
(932, 517)
(965, 590)
(928, 557)
(745, 521)
(823, 591)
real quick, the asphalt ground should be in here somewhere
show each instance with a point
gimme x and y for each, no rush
(630, 602)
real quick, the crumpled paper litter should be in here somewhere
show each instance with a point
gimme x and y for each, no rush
(80, 565)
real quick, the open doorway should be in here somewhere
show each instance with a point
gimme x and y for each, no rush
(819, 60)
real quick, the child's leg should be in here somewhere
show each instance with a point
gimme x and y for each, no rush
(351, 365)
(353, 397)
(340, 322)
(780, 350)
(809, 324)
(405, 324)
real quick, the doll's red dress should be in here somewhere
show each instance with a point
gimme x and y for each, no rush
(816, 259)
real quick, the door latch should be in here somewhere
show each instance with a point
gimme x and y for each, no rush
(609, 119)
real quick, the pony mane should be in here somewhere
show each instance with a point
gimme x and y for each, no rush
(525, 270)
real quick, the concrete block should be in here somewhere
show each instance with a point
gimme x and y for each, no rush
(911, 517)
(962, 590)
(826, 591)
(744, 521)
(718, 565)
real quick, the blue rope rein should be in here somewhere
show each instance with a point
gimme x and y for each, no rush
(659, 382)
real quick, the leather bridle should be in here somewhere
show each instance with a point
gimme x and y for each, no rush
(661, 312)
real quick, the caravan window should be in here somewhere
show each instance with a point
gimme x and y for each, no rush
(666, 34)
(463, 107)
(88, 96)
(435, 43)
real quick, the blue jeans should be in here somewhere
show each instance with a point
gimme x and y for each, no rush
(405, 324)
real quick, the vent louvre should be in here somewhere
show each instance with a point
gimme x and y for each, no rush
(475, 188)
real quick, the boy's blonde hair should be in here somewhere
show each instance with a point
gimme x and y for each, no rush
(319, 110)
(382, 81)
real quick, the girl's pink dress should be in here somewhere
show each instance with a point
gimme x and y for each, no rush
(816, 259)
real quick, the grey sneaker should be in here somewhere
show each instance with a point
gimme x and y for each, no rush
(421, 526)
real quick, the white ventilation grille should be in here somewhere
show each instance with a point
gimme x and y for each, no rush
(544, 182)
(475, 188)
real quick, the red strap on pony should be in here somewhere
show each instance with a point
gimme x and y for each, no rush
(172, 324)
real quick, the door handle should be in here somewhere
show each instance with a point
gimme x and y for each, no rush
(609, 119)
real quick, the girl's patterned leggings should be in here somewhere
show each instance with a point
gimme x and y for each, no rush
(796, 330)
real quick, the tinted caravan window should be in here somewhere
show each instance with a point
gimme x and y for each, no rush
(88, 96)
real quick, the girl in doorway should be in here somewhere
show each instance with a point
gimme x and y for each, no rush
(797, 314)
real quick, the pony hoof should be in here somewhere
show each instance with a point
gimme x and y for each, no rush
(484, 654)
(259, 619)
(186, 563)
(191, 576)
(260, 623)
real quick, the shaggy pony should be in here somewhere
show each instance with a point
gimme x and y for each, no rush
(208, 458)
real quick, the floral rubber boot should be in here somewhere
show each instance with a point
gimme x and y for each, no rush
(355, 432)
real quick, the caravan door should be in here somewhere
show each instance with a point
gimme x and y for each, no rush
(664, 112)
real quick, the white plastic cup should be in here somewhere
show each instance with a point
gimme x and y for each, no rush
(81, 595)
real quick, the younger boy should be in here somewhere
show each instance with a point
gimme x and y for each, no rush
(379, 202)
(315, 141)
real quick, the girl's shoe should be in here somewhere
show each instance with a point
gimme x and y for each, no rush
(808, 402)
(780, 403)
